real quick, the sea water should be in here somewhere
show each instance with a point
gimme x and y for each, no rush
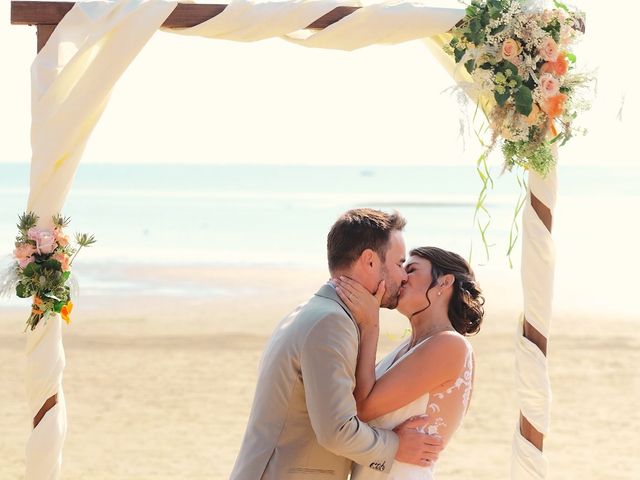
(261, 215)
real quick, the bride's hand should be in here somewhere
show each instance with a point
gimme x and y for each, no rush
(364, 306)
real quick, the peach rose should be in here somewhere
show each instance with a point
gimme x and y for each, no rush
(24, 254)
(511, 49)
(533, 117)
(554, 106)
(549, 85)
(549, 50)
(61, 238)
(559, 67)
(63, 259)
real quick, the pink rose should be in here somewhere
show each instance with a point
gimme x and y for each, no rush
(511, 49)
(24, 254)
(549, 50)
(63, 259)
(33, 233)
(45, 240)
(61, 238)
(549, 85)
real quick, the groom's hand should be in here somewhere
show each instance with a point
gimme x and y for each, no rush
(417, 447)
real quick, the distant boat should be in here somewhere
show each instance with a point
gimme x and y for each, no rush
(367, 173)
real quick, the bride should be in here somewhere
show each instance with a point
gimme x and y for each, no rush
(431, 372)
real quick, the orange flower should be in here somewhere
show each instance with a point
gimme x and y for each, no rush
(554, 106)
(34, 308)
(559, 67)
(66, 311)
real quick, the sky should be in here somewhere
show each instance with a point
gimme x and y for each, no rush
(195, 100)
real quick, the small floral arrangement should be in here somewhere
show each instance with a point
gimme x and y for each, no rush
(44, 258)
(522, 67)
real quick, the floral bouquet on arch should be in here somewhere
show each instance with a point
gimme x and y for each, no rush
(522, 69)
(43, 266)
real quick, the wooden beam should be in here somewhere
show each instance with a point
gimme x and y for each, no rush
(185, 15)
(44, 32)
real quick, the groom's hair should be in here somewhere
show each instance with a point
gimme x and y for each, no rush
(357, 230)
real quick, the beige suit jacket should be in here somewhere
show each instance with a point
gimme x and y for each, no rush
(303, 422)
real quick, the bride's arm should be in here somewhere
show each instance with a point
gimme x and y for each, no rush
(436, 362)
(366, 310)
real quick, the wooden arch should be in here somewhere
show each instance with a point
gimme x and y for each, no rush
(46, 15)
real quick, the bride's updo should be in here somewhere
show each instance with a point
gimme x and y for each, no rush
(466, 304)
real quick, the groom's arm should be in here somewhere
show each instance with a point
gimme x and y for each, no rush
(328, 363)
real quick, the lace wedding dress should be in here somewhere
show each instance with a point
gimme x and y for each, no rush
(445, 406)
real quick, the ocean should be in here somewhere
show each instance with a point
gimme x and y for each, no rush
(279, 215)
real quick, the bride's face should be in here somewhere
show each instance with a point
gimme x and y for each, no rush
(413, 293)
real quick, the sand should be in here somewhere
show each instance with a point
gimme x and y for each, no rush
(160, 387)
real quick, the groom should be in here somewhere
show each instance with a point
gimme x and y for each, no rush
(303, 423)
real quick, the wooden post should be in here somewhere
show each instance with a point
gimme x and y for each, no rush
(44, 32)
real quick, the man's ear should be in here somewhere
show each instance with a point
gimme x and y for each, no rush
(447, 280)
(368, 258)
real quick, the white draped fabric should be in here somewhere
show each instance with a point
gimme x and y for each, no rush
(532, 379)
(72, 78)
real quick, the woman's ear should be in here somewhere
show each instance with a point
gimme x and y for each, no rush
(446, 280)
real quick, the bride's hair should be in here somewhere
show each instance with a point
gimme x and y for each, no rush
(466, 304)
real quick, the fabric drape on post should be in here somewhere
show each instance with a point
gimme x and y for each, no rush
(533, 390)
(532, 378)
(71, 79)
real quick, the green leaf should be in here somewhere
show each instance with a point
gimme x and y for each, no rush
(52, 264)
(501, 98)
(477, 38)
(485, 19)
(524, 100)
(31, 269)
(65, 276)
(26, 221)
(458, 54)
(475, 25)
(22, 291)
(470, 65)
(57, 307)
(556, 138)
(571, 57)
(507, 65)
(561, 6)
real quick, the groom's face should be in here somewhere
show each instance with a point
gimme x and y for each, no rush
(392, 271)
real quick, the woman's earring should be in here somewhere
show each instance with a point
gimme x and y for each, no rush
(440, 293)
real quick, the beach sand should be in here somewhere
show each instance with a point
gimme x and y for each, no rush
(160, 387)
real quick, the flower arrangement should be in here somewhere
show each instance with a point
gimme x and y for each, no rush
(523, 69)
(43, 266)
